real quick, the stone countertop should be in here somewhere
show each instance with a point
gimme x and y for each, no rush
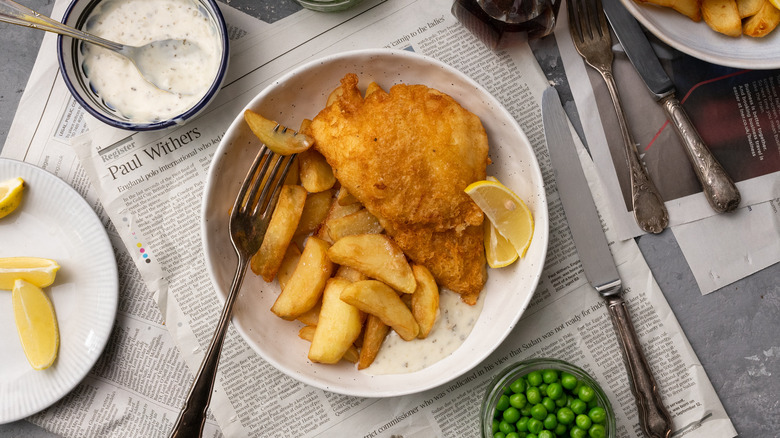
(734, 331)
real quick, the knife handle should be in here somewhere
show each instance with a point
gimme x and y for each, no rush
(653, 417)
(719, 189)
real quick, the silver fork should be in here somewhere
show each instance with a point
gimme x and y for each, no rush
(249, 220)
(590, 33)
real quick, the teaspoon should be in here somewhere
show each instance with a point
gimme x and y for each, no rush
(178, 54)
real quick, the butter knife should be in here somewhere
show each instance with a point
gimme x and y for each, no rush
(718, 187)
(598, 264)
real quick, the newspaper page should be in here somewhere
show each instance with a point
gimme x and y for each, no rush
(141, 374)
(735, 111)
(748, 147)
(159, 212)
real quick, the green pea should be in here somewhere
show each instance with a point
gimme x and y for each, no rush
(531, 435)
(550, 422)
(526, 410)
(507, 391)
(561, 402)
(535, 426)
(512, 435)
(578, 406)
(518, 400)
(598, 414)
(539, 412)
(533, 395)
(548, 404)
(555, 390)
(543, 389)
(499, 435)
(546, 434)
(586, 393)
(576, 432)
(506, 427)
(494, 427)
(549, 376)
(568, 381)
(522, 424)
(565, 416)
(503, 403)
(517, 386)
(561, 429)
(597, 431)
(583, 422)
(511, 415)
(535, 378)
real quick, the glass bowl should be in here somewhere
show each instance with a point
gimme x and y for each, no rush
(501, 385)
(70, 57)
(328, 5)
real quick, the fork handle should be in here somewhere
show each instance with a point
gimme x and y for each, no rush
(192, 417)
(718, 187)
(649, 209)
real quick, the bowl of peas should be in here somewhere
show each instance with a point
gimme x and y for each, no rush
(546, 398)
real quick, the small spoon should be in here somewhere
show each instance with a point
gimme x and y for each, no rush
(178, 54)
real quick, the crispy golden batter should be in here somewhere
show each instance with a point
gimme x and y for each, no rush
(407, 155)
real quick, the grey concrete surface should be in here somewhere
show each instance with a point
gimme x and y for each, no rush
(734, 331)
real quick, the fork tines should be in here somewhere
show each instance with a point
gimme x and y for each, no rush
(260, 190)
(583, 15)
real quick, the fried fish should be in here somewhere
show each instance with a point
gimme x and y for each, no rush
(407, 155)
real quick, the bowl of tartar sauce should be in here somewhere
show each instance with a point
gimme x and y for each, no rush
(111, 88)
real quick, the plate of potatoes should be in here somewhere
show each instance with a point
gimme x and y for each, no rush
(733, 33)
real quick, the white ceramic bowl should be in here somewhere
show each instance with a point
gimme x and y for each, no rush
(68, 54)
(301, 94)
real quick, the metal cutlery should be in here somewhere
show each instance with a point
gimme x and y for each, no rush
(718, 188)
(591, 37)
(249, 220)
(598, 264)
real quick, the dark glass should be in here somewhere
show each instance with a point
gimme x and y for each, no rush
(498, 22)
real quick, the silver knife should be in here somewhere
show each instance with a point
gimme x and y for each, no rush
(598, 264)
(718, 187)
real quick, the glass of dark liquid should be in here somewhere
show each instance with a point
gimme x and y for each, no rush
(499, 22)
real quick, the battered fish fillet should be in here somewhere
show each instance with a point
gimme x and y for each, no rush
(407, 155)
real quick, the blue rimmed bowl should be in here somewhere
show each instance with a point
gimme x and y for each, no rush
(70, 55)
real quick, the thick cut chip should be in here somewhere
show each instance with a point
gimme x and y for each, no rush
(373, 336)
(289, 263)
(315, 210)
(307, 282)
(315, 173)
(276, 137)
(425, 300)
(284, 221)
(722, 16)
(338, 327)
(376, 256)
(763, 22)
(359, 222)
(380, 300)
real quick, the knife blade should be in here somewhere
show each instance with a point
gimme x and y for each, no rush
(597, 262)
(717, 185)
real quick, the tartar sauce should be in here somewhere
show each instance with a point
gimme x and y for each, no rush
(452, 327)
(138, 22)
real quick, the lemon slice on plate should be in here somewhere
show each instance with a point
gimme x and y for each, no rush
(10, 195)
(498, 251)
(38, 271)
(506, 211)
(36, 323)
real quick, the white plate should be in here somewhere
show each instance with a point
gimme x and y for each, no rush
(699, 41)
(55, 222)
(301, 94)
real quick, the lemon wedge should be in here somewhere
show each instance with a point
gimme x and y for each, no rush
(36, 323)
(498, 251)
(276, 137)
(506, 211)
(10, 195)
(38, 271)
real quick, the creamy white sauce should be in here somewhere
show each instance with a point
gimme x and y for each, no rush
(139, 22)
(453, 325)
